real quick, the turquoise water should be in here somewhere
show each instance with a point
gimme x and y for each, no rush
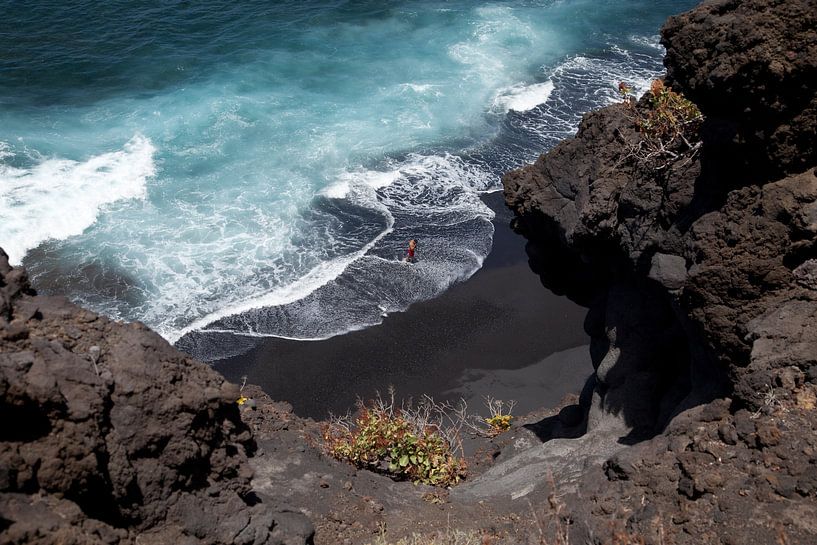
(257, 168)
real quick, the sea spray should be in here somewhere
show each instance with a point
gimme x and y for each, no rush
(286, 152)
(58, 198)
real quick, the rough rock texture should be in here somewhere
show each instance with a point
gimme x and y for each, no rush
(110, 435)
(714, 476)
(349, 505)
(750, 65)
(699, 276)
(700, 424)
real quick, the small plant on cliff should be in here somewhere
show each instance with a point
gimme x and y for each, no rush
(671, 116)
(241, 398)
(626, 92)
(500, 419)
(769, 402)
(408, 442)
(667, 122)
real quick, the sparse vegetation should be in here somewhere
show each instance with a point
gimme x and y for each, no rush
(545, 524)
(672, 116)
(449, 537)
(769, 401)
(553, 520)
(417, 443)
(668, 123)
(500, 419)
(242, 399)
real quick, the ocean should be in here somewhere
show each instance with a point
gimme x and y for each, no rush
(256, 169)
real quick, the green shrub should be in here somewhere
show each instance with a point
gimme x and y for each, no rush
(380, 436)
(499, 423)
(671, 115)
(668, 124)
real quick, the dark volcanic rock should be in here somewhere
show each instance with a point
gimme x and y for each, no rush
(743, 255)
(669, 270)
(704, 288)
(806, 274)
(751, 66)
(110, 434)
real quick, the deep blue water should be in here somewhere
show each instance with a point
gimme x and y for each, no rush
(258, 167)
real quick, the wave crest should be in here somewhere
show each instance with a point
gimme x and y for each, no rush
(59, 198)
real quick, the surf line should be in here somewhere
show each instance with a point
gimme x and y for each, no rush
(301, 288)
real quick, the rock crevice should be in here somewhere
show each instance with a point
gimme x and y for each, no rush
(698, 275)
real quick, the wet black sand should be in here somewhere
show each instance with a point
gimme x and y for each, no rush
(468, 340)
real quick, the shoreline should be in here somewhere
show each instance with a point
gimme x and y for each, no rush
(500, 327)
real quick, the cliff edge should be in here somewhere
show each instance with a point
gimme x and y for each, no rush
(697, 261)
(698, 265)
(110, 435)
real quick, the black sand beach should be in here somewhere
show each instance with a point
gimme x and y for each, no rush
(499, 333)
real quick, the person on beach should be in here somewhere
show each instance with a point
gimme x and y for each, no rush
(410, 253)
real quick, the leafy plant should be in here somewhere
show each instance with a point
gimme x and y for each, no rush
(500, 422)
(500, 419)
(671, 115)
(400, 441)
(626, 91)
(667, 122)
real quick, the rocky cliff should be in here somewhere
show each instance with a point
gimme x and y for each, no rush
(109, 435)
(697, 262)
(698, 265)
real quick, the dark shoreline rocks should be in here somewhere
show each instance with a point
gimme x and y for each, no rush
(750, 66)
(702, 304)
(110, 435)
(699, 426)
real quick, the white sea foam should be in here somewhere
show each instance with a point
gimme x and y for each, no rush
(318, 276)
(241, 233)
(59, 198)
(436, 196)
(494, 50)
(5, 150)
(450, 170)
(653, 41)
(371, 178)
(599, 76)
(522, 97)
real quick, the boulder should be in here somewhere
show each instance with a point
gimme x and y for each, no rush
(111, 435)
(751, 67)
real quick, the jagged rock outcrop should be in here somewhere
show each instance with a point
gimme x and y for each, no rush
(699, 275)
(110, 435)
(749, 65)
(624, 224)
